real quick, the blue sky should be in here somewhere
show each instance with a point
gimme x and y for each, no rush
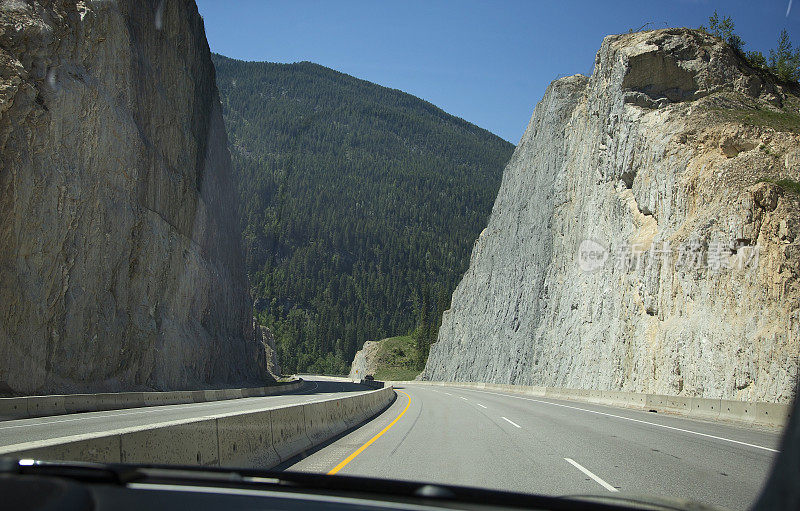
(488, 62)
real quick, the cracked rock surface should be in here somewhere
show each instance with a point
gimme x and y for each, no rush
(640, 239)
(120, 258)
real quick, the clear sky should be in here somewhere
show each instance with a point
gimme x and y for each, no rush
(487, 61)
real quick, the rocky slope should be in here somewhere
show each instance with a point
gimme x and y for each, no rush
(393, 358)
(120, 263)
(270, 351)
(632, 245)
(366, 361)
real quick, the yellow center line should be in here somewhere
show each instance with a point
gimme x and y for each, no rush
(360, 449)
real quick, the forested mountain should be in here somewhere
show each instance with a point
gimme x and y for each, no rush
(359, 206)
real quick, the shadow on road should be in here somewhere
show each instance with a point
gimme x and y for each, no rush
(286, 465)
(316, 387)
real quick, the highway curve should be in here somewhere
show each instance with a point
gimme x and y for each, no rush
(491, 439)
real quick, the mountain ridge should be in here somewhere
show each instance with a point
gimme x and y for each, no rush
(359, 205)
(400, 92)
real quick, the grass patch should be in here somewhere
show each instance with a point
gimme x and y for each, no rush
(787, 121)
(788, 185)
(396, 359)
(396, 374)
(740, 109)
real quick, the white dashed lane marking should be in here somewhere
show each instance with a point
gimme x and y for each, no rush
(590, 474)
(511, 422)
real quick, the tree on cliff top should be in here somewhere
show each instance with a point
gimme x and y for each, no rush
(785, 61)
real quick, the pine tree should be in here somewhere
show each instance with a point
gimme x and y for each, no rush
(354, 198)
(785, 61)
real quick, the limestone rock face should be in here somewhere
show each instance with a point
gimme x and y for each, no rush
(120, 258)
(632, 245)
(366, 361)
(270, 351)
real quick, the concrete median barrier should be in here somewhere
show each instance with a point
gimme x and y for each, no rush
(318, 424)
(192, 443)
(214, 395)
(120, 400)
(41, 406)
(13, 408)
(373, 384)
(358, 413)
(705, 408)
(104, 449)
(159, 398)
(245, 440)
(44, 406)
(233, 394)
(626, 399)
(737, 410)
(681, 404)
(115, 401)
(289, 432)
(773, 414)
(336, 416)
(78, 403)
(260, 439)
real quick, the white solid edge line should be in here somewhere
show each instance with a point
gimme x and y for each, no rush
(123, 412)
(480, 405)
(590, 474)
(632, 420)
(511, 422)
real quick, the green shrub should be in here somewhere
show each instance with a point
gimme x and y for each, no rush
(784, 61)
(788, 185)
(397, 359)
(786, 120)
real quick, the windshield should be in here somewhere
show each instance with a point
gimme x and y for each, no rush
(540, 247)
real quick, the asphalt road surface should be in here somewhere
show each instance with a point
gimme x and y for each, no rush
(491, 439)
(15, 432)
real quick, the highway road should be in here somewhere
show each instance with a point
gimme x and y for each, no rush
(491, 439)
(15, 432)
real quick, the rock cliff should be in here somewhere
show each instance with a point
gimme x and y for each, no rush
(366, 361)
(270, 351)
(644, 236)
(120, 263)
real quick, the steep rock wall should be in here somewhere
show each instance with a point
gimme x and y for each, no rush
(120, 263)
(366, 361)
(631, 245)
(270, 350)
